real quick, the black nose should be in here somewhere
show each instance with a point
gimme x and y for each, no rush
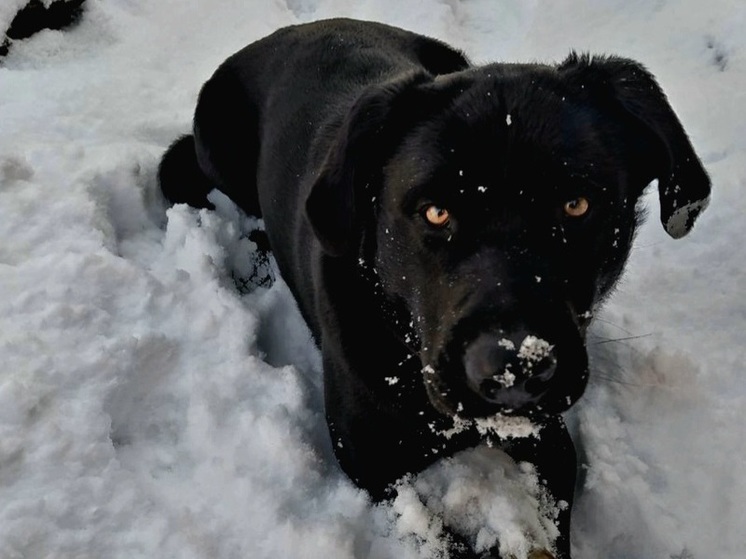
(511, 371)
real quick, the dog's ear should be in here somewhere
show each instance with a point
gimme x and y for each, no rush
(683, 183)
(367, 136)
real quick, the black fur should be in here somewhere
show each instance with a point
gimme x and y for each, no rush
(341, 134)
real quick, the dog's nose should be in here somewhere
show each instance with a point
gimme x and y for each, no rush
(512, 371)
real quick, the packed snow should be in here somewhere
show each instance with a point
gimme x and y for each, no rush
(158, 399)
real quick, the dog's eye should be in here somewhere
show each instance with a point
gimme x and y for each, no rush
(436, 216)
(577, 207)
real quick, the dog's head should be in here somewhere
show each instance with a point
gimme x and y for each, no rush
(497, 207)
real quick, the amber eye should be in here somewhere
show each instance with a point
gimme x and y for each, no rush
(577, 207)
(436, 216)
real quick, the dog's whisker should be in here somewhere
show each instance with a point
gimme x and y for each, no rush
(614, 324)
(619, 340)
(605, 378)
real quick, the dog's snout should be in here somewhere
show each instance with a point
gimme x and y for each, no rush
(512, 371)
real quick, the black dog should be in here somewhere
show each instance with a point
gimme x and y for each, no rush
(448, 230)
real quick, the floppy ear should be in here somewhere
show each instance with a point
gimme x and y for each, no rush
(366, 138)
(683, 183)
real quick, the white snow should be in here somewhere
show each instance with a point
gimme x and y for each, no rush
(507, 379)
(506, 343)
(534, 349)
(499, 505)
(499, 425)
(676, 225)
(151, 409)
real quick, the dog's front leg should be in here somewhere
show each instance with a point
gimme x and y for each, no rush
(553, 455)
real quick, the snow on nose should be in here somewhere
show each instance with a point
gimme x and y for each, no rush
(507, 376)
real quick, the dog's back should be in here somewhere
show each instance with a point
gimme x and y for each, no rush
(274, 95)
(265, 118)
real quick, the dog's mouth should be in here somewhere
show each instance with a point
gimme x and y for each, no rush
(517, 373)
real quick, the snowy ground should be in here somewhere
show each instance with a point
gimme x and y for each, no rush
(150, 408)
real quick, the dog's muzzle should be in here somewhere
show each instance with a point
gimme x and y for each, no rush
(487, 369)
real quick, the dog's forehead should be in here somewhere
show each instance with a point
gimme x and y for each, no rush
(519, 128)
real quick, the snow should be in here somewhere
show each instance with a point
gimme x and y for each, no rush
(677, 224)
(151, 406)
(499, 505)
(534, 349)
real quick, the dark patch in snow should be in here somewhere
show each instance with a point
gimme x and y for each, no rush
(35, 16)
(260, 273)
(718, 54)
